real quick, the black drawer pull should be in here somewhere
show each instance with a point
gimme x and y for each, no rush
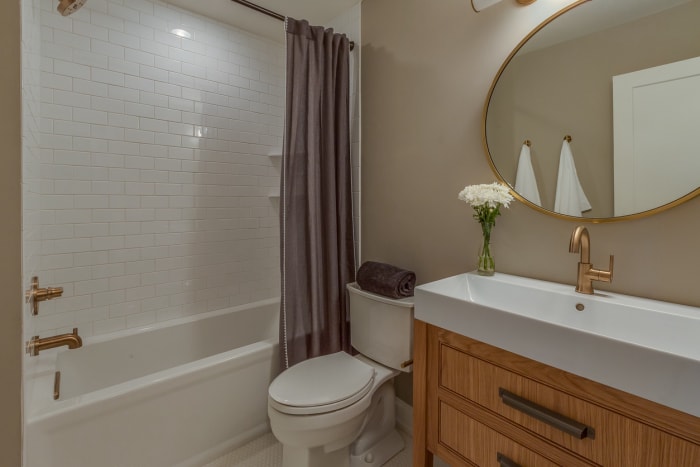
(558, 421)
(503, 461)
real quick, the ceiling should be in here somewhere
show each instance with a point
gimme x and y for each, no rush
(596, 16)
(317, 12)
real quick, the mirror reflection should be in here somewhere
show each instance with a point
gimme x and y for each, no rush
(622, 80)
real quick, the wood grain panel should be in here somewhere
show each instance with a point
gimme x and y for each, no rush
(485, 379)
(479, 444)
(532, 442)
(621, 439)
(421, 456)
(678, 423)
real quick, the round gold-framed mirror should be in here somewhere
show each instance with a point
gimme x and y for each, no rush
(622, 80)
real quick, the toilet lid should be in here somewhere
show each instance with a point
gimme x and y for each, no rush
(321, 384)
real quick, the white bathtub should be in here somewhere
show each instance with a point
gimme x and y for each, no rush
(175, 394)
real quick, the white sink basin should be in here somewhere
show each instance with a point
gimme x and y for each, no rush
(645, 347)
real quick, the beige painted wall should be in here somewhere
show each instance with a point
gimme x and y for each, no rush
(10, 230)
(536, 98)
(426, 69)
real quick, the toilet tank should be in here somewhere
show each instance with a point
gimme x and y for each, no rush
(381, 328)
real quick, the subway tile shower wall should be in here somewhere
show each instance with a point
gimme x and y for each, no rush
(155, 168)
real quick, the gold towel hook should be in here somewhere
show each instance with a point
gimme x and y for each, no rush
(527, 143)
(567, 138)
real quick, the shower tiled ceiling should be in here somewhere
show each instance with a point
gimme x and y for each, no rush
(315, 11)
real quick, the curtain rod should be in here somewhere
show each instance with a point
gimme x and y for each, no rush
(270, 13)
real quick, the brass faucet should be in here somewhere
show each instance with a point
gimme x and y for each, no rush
(36, 345)
(580, 240)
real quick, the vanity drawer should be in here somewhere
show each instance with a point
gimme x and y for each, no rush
(480, 445)
(600, 435)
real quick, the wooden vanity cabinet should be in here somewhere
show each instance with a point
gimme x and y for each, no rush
(478, 405)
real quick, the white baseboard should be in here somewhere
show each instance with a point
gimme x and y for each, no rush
(404, 417)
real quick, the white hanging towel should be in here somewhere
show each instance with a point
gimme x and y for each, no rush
(525, 181)
(570, 198)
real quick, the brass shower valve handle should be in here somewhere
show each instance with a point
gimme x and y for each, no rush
(35, 295)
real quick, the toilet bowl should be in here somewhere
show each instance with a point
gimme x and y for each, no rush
(338, 410)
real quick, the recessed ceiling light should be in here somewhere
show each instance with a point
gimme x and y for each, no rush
(181, 33)
(479, 5)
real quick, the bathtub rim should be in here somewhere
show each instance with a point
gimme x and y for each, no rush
(45, 408)
(152, 384)
(45, 362)
(96, 339)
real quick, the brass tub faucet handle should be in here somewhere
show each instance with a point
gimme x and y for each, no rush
(34, 294)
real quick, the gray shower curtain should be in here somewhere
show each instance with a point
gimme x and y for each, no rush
(317, 257)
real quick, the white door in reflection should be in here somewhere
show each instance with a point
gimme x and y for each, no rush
(656, 116)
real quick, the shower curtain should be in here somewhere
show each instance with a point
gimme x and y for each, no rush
(317, 256)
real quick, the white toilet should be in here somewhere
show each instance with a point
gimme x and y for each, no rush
(338, 410)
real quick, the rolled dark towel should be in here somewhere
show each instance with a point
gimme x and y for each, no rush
(385, 279)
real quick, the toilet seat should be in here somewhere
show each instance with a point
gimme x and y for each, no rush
(321, 385)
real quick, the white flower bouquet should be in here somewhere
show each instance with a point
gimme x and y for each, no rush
(487, 200)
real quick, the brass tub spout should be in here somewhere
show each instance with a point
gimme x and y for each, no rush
(36, 344)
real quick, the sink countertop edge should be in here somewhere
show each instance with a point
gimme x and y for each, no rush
(617, 364)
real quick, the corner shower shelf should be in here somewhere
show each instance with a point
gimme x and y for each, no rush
(275, 194)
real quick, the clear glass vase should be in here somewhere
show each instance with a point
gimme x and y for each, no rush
(487, 266)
